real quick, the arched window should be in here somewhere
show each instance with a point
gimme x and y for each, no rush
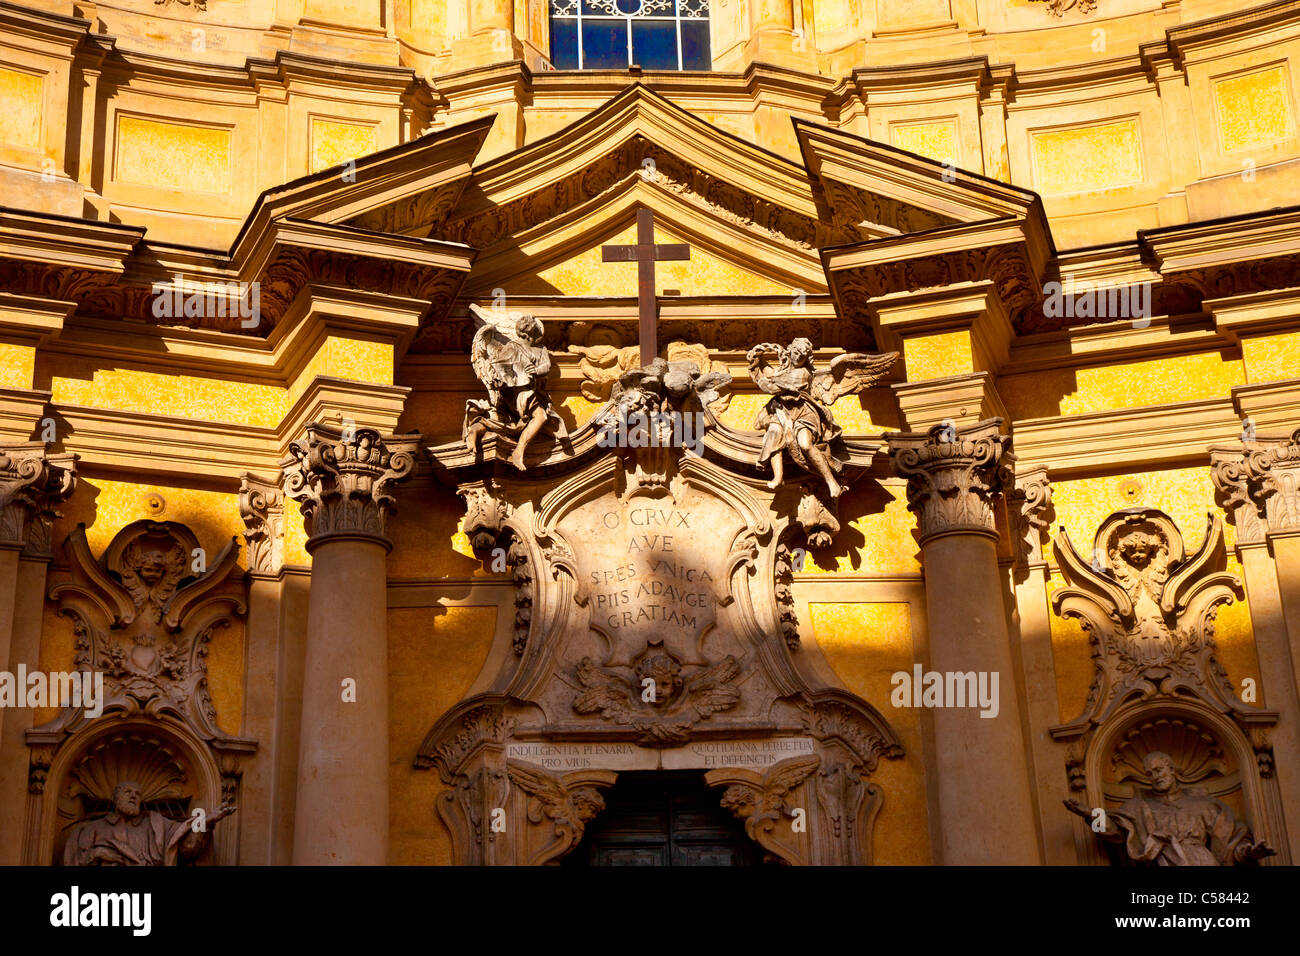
(613, 34)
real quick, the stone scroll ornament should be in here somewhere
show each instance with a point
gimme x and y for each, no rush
(145, 614)
(510, 360)
(797, 420)
(1149, 610)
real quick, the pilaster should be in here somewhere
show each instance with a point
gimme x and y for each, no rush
(1258, 483)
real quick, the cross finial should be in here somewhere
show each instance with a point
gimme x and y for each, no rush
(645, 253)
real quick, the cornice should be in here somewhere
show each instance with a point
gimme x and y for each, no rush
(1113, 342)
(639, 110)
(151, 445)
(1129, 439)
(1224, 241)
(1190, 36)
(62, 240)
(41, 24)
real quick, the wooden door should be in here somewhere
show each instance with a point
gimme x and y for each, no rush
(664, 819)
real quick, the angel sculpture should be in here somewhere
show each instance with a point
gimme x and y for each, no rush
(509, 359)
(570, 810)
(797, 418)
(760, 808)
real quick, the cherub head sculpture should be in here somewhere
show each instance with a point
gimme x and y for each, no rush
(529, 328)
(660, 666)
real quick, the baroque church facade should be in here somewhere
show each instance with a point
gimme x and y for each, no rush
(623, 432)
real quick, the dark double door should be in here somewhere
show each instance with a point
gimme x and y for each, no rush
(664, 819)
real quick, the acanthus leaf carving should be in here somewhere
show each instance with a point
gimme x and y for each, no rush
(33, 483)
(341, 477)
(954, 474)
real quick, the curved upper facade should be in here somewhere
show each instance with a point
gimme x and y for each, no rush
(1123, 115)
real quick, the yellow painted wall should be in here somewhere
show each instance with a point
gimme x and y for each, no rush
(1181, 378)
(434, 654)
(866, 644)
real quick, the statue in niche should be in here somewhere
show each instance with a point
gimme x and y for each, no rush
(509, 359)
(797, 419)
(129, 835)
(1172, 826)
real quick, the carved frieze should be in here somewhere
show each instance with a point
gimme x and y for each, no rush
(954, 475)
(341, 476)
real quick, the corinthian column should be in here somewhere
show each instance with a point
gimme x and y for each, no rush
(341, 479)
(954, 476)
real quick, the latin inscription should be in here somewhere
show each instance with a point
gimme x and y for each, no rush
(701, 755)
(653, 584)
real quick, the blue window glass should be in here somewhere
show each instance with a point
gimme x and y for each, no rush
(654, 44)
(613, 34)
(564, 44)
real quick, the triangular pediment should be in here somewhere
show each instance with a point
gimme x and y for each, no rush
(562, 255)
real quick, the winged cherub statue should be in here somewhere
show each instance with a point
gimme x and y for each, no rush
(509, 359)
(797, 418)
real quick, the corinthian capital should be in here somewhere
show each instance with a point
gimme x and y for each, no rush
(953, 474)
(32, 484)
(341, 476)
(1259, 485)
(261, 505)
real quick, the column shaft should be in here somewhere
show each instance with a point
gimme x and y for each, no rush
(983, 775)
(342, 803)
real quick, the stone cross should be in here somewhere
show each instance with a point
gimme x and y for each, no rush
(645, 253)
